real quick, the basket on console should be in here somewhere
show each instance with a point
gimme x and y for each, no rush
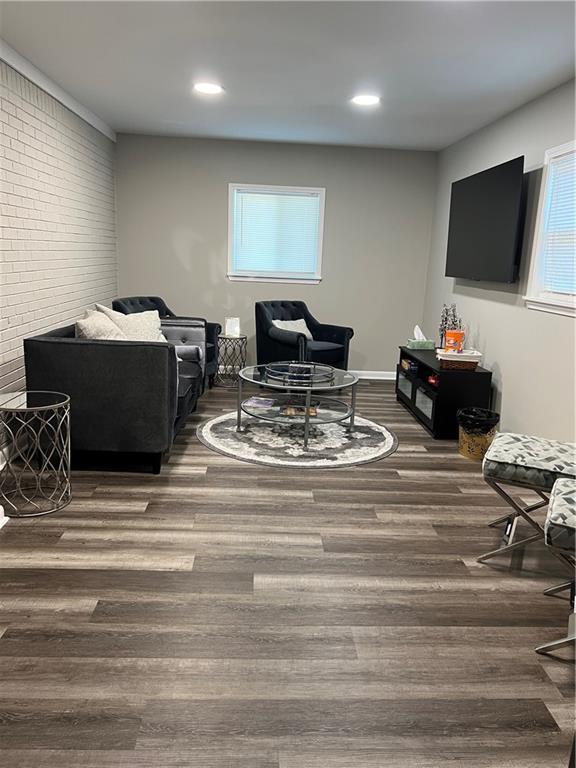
(459, 365)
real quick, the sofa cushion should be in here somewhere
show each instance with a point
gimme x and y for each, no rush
(529, 461)
(184, 385)
(96, 325)
(324, 346)
(189, 388)
(189, 369)
(326, 352)
(138, 326)
(560, 524)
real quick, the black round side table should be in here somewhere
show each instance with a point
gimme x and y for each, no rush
(34, 453)
(231, 359)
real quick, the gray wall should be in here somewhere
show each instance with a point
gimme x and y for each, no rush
(531, 353)
(172, 232)
(58, 249)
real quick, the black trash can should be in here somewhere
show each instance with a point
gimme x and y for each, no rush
(476, 430)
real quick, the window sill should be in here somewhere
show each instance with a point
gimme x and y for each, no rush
(549, 305)
(291, 280)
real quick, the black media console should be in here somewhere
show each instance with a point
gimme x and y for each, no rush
(435, 404)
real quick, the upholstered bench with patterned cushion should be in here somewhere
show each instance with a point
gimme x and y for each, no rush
(532, 462)
(528, 462)
(560, 524)
(560, 528)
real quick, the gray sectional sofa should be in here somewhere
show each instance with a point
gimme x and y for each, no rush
(127, 397)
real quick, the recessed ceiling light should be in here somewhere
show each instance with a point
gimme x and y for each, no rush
(365, 100)
(210, 89)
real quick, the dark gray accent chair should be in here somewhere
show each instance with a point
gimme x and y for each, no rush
(330, 343)
(126, 397)
(130, 304)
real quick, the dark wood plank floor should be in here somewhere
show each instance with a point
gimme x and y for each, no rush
(227, 615)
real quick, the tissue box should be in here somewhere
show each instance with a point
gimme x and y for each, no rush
(418, 344)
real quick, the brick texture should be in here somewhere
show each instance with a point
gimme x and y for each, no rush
(58, 243)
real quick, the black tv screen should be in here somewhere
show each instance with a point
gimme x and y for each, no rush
(485, 228)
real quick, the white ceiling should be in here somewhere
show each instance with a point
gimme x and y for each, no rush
(443, 69)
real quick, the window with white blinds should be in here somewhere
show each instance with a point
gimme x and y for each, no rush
(275, 233)
(552, 285)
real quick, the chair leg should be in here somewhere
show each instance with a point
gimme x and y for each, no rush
(156, 462)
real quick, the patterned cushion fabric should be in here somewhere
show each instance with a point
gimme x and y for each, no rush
(528, 461)
(560, 524)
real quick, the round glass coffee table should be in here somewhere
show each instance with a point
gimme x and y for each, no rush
(301, 396)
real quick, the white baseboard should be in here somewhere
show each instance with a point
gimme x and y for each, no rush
(376, 375)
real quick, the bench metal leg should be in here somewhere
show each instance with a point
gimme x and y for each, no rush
(564, 642)
(558, 588)
(523, 512)
(571, 633)
(509, 548)
(507, 543)
(531, 508)
(556, 645)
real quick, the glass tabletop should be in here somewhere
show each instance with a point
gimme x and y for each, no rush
(31, 400)
(234, 336)
(290, 375)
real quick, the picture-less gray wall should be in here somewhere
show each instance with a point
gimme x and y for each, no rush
(172, 232)
(530, 353)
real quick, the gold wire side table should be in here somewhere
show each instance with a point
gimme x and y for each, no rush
(34, 453)
(231, 359)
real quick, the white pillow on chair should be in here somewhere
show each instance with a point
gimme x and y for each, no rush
(296, 326)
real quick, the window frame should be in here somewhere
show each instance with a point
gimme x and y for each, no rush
(536, 297)
(275, 278)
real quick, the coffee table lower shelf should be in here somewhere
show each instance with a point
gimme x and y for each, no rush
(309, 411)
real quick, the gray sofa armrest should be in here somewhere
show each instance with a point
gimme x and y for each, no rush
(190, 353)
(189, 340)
(123, 394)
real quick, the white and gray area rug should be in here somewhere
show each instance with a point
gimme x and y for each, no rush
(331, 445)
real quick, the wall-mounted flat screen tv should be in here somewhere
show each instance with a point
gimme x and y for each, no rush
(486, 222)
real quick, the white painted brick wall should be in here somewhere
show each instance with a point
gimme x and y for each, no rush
(58, 240)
